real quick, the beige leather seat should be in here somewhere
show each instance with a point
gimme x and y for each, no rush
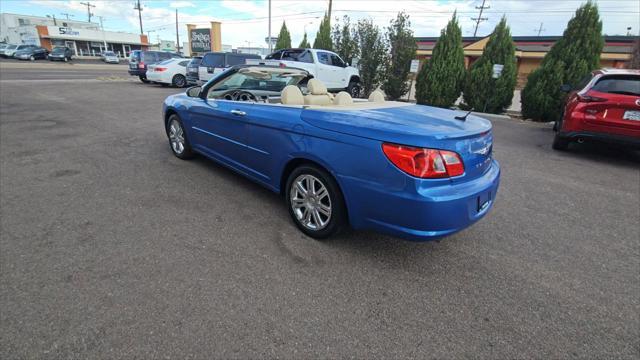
(376, 96)
(318, 94)
(291, 95)
(343, 98)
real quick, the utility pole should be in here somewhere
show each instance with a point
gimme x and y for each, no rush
(139, 8)
(540, 29)
(89, 6)
(270, 46)
(55, 23)
(67, 15)
(329, 14)
(104, 39)
(177, 35)
(480, 18)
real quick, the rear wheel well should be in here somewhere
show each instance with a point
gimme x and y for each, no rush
(354, 78)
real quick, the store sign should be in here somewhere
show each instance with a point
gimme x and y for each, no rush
(68, 31)
(497, 70)
(415, 64)
(200, 40)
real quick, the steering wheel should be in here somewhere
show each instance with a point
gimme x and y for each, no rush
(239, 95)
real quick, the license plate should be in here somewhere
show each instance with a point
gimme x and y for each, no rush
(631, 115)
(484, 200)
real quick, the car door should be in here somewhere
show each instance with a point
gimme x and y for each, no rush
(339, 78)
(326, 71)
(219, 130)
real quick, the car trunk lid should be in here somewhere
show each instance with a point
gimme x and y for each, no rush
(415, 125)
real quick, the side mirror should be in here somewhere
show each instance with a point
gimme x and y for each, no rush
(565, 88)
(194, 91)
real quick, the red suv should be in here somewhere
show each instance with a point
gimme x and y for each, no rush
(604, 106)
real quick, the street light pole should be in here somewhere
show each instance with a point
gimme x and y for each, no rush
(104, 39)
(270, 47)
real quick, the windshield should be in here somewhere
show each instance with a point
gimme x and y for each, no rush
(11, 47)
(169, 61)
(109, 53)
(272, 80)
(57, 50)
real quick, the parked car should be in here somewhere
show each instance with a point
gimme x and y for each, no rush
(169, 72)
(61, 53)
(214, 63)
(139, 61)
(110, 57)
(10, 50)
(408, 170)
(31, 53)
(324, 65)
(192, 70)
(604, 106)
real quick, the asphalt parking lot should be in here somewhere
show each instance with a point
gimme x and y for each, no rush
(110, 247)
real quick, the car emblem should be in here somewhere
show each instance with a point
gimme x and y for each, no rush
(638, 102)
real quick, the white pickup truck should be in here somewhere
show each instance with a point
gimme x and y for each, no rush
(324, 65)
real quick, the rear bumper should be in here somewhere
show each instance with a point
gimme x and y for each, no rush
(192, 80)
(137, 72)
(425, 212)
(630, 141)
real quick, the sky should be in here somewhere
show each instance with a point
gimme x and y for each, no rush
(245, 22)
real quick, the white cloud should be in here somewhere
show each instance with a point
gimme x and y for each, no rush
(181, 4)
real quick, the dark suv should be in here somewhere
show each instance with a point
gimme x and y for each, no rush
(139, 60)
(192, 70)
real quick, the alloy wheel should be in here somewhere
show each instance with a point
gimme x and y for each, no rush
(176, 137)
(310, 202)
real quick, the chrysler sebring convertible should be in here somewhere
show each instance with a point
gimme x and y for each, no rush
(411, 171)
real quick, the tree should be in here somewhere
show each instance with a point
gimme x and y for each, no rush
(284, 38)
(570, 59)
(402, 49)
(439, 82)
(482, 92)
(635, 55)
(323, 37)
(304, 44)
(373, 52)
(345, 43)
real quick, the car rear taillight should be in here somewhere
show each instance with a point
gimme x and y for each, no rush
(424, 163)
(141, 65)
(590, 99)
(159, 69)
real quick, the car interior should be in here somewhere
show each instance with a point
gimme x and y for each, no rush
(288, 87)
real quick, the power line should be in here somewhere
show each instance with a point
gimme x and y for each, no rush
(67, 15)
(89, 6)
(479, 18)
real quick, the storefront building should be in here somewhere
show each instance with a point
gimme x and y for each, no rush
(83, 38)
(530, 50)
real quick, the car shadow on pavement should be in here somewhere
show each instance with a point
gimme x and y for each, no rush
(613, 154)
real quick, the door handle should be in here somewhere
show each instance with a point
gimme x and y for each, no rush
(238, 113)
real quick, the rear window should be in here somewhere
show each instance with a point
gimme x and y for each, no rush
(213, 60)
(195, 61)
(275, 56)
(297, 55)
(239, 59)
(619, 84)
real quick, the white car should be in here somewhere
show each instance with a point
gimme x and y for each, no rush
(110, 57)
(169, 72)
(324, 65)
(10, 50)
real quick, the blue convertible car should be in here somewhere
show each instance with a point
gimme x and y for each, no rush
(408, 170)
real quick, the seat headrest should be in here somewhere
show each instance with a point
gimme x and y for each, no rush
(376, 96)
(291, 95)
(343, 98)
(316, 87)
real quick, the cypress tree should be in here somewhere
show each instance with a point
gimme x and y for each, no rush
(345, 42)
(373, 54)
(323, 37)
(482, 92)
(284, 38)
(439, 82)
(304, 44)
(570, 59)
(402, 49)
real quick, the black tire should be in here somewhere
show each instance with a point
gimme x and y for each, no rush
(560, 143)
(338, 214)
(143, 79)
(354, 89)
(187, 152)
(32, 58)
(179, 81)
